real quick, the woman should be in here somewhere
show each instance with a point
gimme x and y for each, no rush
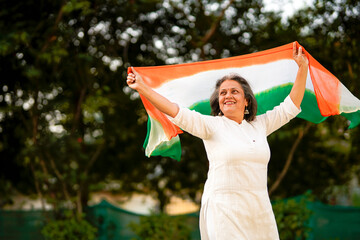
(235, 203)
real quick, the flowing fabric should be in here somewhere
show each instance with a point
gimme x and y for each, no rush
(270, 73)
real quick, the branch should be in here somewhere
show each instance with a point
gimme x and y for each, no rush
(59, 176)
(35, 123)
(85, 172)
(78, 109)
(94, 157)
(214, 25)
(212, 28)
(37, 187)
(289, 159)
(34, 118)
(52, 37)
(350, 70)
(126, 52)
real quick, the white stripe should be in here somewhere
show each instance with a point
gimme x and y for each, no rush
(158, 137)
(348, 102)
(189, 90)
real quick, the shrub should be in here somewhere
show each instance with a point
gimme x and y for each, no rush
(292, 218)
(162, 226)
(69, 228)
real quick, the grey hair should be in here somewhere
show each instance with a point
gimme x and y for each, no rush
(249, 96)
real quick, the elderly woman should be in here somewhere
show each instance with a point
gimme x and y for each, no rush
(235, 202)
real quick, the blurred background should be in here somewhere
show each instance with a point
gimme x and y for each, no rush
(71, 131)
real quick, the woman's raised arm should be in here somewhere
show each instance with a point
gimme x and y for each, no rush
(298, 90)
(135, 81)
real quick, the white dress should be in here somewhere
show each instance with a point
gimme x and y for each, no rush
(235, 202)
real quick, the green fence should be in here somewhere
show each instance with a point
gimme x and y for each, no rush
(334, 222)
(327, 222)
(112, 222)
(22, 225)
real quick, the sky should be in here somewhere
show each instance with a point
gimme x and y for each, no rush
(288, 7)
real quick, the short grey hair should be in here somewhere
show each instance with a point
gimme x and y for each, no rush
(249, 96)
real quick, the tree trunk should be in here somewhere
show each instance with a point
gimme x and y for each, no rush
(289, 158)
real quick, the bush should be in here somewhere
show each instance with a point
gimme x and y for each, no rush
(69, 229)
(292, 218)
(162, 226)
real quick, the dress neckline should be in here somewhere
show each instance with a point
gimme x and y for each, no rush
(235, 121)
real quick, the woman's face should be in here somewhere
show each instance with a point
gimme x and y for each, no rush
(232, 100)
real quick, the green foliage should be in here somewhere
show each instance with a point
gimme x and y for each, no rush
(5, 192)
(343, 195)
(162, 227)
(63, 64)
(74, 5)
(355, 199)
(53, 75)
(292, 218)
(69, 228)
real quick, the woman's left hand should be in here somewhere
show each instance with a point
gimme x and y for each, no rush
(299, 57)
(298, 90)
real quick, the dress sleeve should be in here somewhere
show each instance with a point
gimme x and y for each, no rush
(197, 124)
(279, 116)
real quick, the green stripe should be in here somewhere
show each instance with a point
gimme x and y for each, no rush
(271, 98)
(148, 133)
(267, 100)
(170, 148)
(202, 107)
(354, 118)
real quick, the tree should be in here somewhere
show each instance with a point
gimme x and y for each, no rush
(62, 98)
(328, 154)
(69, 124)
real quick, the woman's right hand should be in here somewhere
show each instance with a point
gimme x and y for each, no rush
(134, 80)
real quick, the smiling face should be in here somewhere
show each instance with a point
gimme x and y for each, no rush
(232, 100)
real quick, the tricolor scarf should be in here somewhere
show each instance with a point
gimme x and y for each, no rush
(270, 73)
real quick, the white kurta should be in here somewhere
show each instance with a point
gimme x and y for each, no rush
(235, 202)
